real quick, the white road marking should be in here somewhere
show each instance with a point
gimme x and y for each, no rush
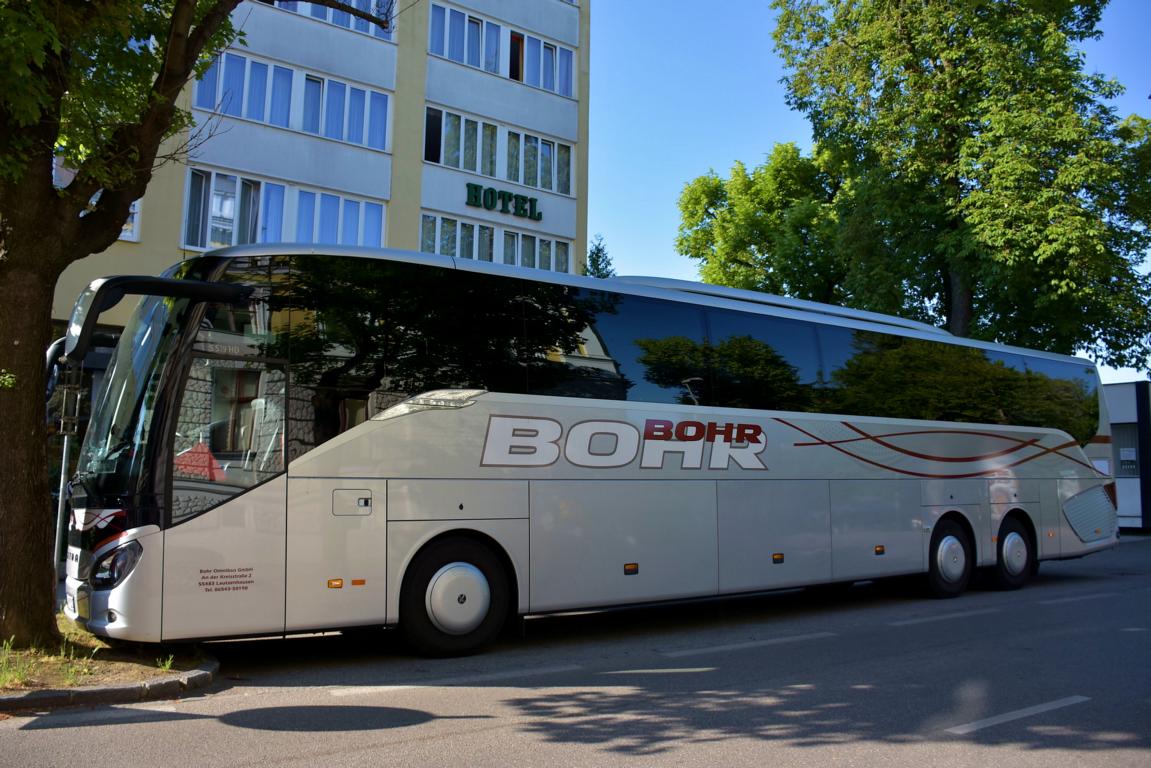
(490, 677)
(745, 646)
(668, 671)
(942, 617)
(1019, 714)
(1077, 598)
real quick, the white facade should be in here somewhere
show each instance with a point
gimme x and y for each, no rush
(1129, 408)
(304, 131)
(314, 128)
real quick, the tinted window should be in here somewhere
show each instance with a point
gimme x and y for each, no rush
(657, 347)
(761, 362)
(874, 374)
(367, 334)
(1063, 395)
(899, 377)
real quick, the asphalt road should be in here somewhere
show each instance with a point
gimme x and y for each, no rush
(1057, 674)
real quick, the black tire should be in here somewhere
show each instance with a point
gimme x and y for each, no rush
(449, 573)
(951, 560)
(1015, 562)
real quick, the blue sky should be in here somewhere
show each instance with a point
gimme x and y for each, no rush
(671, 103)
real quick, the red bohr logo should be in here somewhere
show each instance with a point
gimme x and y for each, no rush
(529, 441)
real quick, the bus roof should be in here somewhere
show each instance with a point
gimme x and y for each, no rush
(772, 300)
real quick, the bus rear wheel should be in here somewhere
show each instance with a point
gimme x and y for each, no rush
(951, 562)
(454, 598)
(1015, 559)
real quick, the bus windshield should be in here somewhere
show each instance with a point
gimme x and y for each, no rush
(116, 437)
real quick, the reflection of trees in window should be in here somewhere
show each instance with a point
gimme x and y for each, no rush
(738, 372)
(897, 377)
(366, 332)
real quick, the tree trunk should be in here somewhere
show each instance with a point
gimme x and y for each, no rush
(960, 304)
(27, 523)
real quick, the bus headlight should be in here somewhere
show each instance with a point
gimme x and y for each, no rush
(114, 567)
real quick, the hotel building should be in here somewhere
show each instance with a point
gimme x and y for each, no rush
(459, 129)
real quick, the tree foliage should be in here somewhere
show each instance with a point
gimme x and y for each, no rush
(598, 260)
(967, 171)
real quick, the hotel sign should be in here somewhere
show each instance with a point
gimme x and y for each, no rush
(490, 198)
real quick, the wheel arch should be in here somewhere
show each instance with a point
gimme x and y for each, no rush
(1024, 519)
(947, 575)
(961, 520)
(479, 537)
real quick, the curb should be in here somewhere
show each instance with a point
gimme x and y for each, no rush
(168, 687)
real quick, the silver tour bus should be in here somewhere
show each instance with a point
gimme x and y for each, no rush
(293, 441)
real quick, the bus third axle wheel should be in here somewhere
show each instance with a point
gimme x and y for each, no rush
(455, 598)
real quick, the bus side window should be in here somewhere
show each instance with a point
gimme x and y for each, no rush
(761, 362)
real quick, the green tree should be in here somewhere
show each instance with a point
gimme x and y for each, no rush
(94, 85)
(980, 181)
(771, 229)
(598, 261)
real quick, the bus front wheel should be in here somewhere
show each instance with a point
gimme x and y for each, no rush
(949, 570)
(454, 598)
(1015, 561)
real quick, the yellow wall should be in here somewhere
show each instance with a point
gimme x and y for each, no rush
(403, 227)
(580, 247)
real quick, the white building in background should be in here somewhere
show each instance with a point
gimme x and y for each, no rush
(1129, 407)
(460, 129)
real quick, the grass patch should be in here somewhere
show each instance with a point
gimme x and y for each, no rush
(84, 659)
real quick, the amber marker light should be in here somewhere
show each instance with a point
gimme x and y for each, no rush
(880, 550)
(359, 582)
(630, 569)
(335, 583)
(777, 558)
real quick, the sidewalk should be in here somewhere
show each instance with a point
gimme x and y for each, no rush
(165, 687)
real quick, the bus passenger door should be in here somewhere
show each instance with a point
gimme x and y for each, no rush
(224, 548)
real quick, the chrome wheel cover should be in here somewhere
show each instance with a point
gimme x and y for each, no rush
(1014, 554)
(458, 598)
(951, 559)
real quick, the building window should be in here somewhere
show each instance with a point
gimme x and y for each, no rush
(313, 95)
(451, 236)
(242, 89)
(516, 59)
(341, 18)
(546, 164)
(460, 142)
(223, 209)
(131, 229)
(471, 144)
(329, 219)
(513, 156)
(227, 209)
(333, 109)
(565, 73)
(540, 64)
(433, 134)
(492, 47)
(464, 38)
